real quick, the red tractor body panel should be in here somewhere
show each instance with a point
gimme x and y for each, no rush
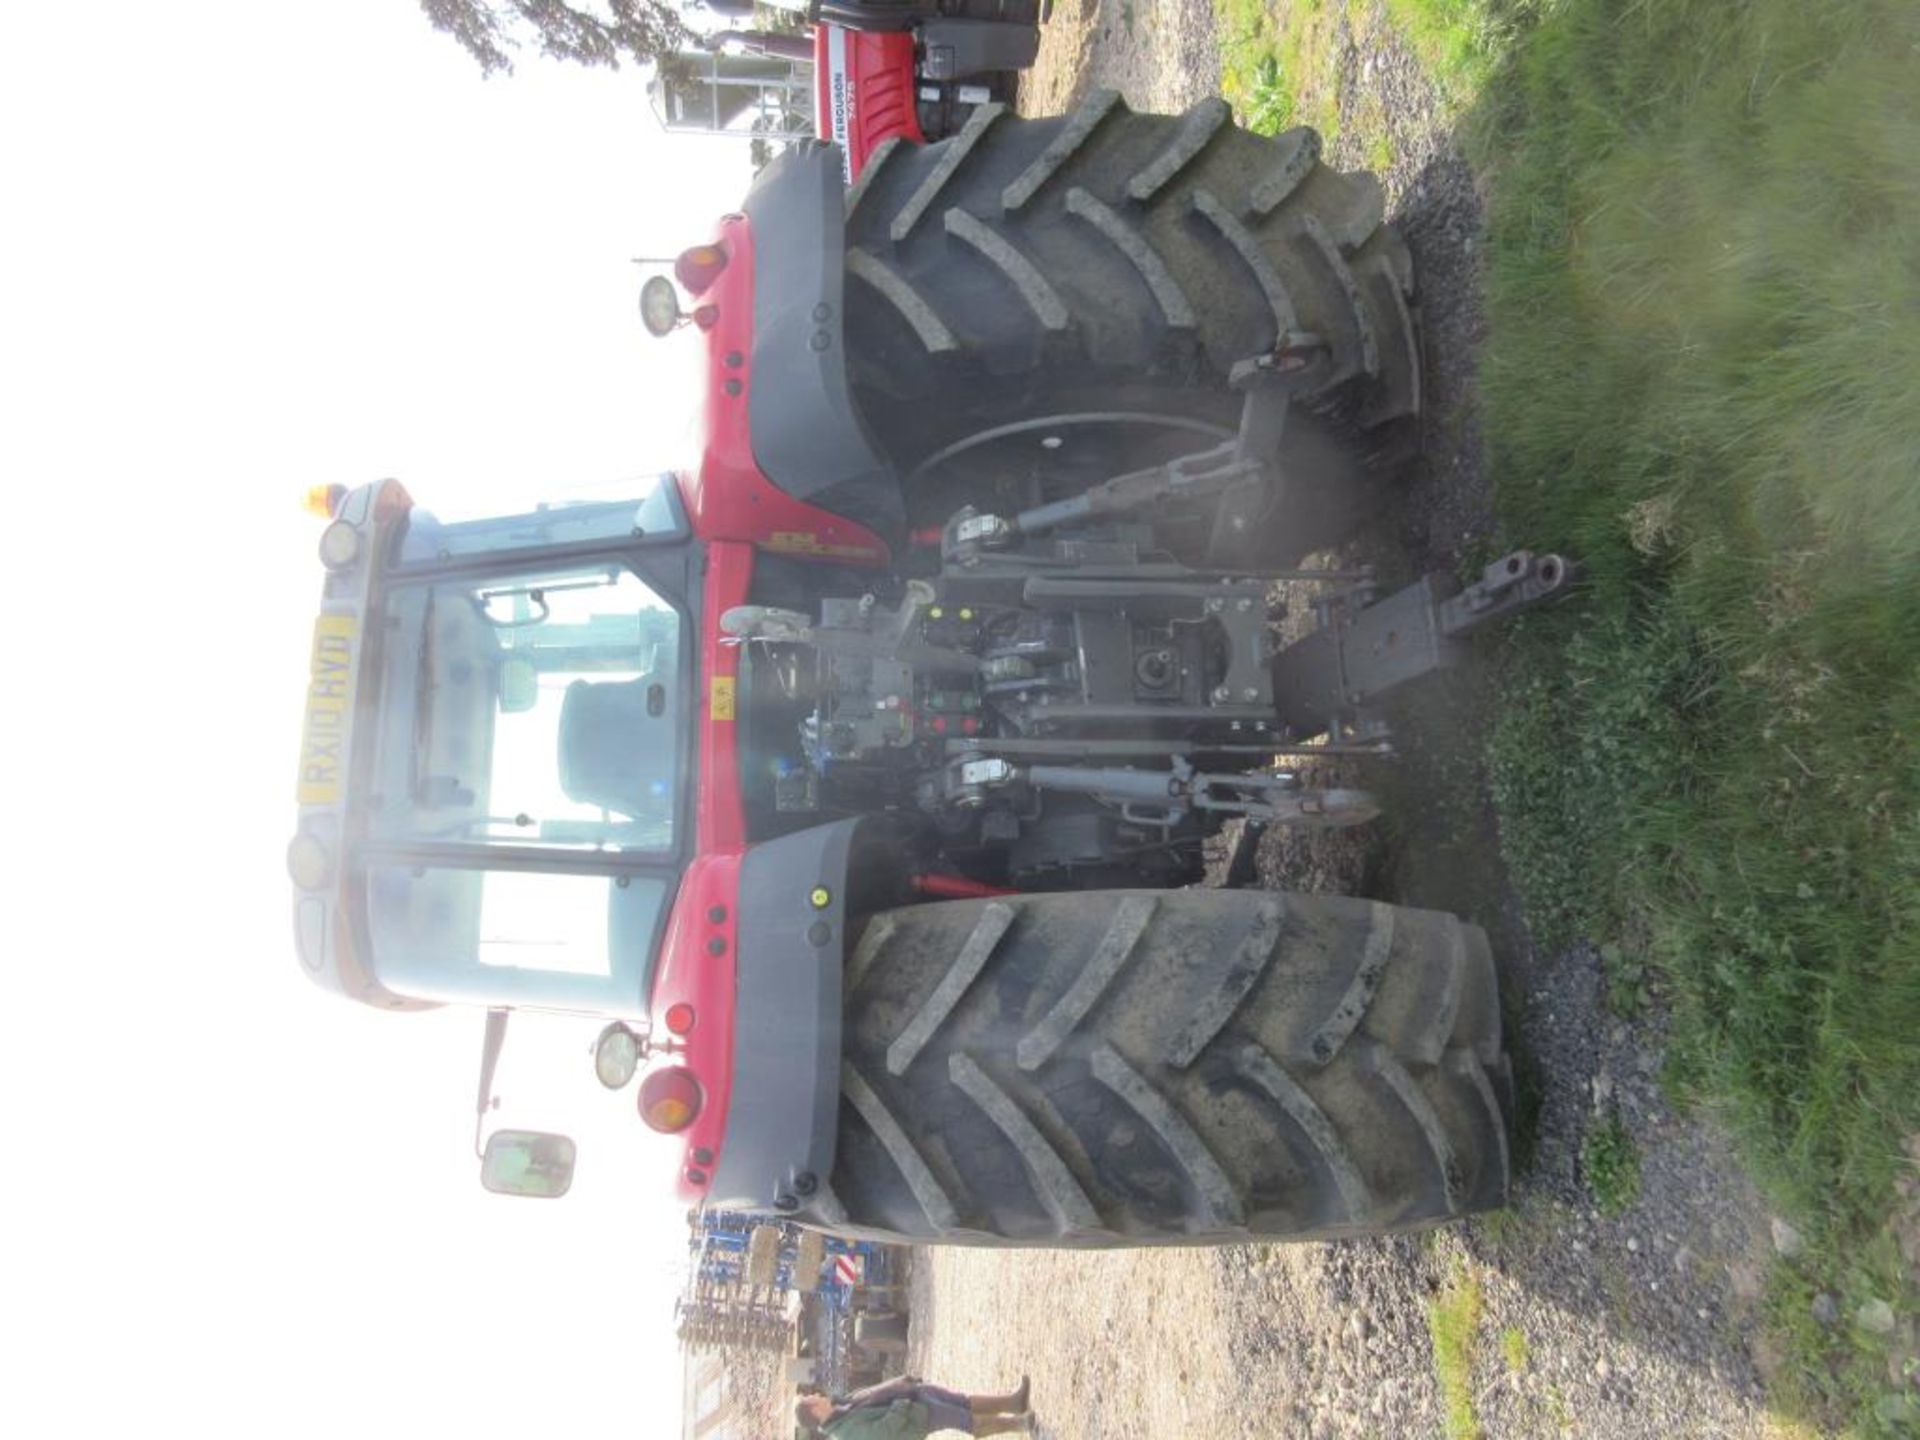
(720, 821)
(735, 510)
(729, 497)
(864, 96)
(691, 974)
(697, 952)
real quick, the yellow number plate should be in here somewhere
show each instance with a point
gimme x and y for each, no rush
(720, 704)
(323, 738)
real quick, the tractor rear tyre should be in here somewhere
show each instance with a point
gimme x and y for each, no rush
(1107, 263)
(1165, 1067)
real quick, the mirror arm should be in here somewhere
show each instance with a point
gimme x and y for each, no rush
(490, 1045)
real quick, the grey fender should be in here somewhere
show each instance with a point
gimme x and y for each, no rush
(807, 436)
(796, 896)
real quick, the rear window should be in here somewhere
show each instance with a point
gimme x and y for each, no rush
(531, 709)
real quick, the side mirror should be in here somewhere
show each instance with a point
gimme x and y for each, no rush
(528, 1162)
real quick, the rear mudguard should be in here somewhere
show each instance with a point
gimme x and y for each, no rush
(796, 894)
(807, 437)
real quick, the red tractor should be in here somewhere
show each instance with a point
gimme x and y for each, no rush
(860, 775)
(908, 70)
(914, 73)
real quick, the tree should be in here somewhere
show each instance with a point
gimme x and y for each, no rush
(642, 30)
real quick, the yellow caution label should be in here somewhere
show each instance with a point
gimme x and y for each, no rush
(807, 542)
(720, 703)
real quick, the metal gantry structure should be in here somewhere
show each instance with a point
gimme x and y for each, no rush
(756, 1284)
(739, 1293)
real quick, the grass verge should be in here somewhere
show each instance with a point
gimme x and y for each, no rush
(1461, 42)
(1702, 381)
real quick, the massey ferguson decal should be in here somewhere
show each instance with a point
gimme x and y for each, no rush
(841, 103)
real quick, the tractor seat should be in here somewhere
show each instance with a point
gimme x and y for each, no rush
(613, 754)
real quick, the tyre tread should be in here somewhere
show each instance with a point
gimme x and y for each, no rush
(912, 307)
(1078, 130)
(991, 246)
(1176, 311)
(1052, 1180)
(1193, 134)
(1201, 1169)
(1141, 1067)
(952, 154)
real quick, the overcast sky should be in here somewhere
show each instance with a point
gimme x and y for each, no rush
(246, 249)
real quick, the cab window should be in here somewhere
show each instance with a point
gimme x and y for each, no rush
(540, 708)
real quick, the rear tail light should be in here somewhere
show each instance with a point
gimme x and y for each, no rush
(699, 267)
(669, 1099)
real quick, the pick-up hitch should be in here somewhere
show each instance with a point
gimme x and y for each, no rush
(1367, 649)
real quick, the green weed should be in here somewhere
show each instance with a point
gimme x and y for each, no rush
(1278, 62)
(1513, 1349)
(1460, 42)
(1453, 1319)
(1611, 1162)
(1629, 978)
(1270, 106)
(1380, 151)
(1558, 1411)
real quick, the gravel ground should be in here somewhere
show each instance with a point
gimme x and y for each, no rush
(1643, 1324)
(1159, 54)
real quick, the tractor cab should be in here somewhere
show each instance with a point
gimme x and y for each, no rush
(492, 783)
(521, 788)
